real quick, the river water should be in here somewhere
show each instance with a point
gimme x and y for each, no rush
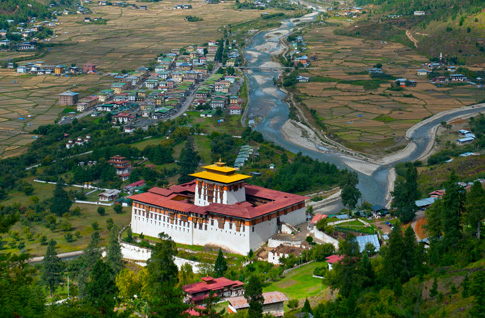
(267, 113)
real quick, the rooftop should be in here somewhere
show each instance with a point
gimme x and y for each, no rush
(269, 298)
(259, 201)
(210, 283)
(218, 172)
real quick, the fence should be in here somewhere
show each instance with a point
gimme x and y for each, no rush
(93, 202)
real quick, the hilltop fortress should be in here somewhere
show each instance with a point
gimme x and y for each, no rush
(217, 208)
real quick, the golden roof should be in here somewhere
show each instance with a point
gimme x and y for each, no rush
(218, 172)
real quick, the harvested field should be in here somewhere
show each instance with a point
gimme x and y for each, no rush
(29, 101)
(132, 38)
(371, 118)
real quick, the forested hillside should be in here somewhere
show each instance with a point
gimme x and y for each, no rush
(21, 11)
(451, 27)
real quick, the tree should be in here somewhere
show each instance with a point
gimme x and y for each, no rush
(393, 256)
(60, 202)
(20, 295)
(220, 266)
(350, 194)
(83, 265)
(210, 303)
(165, 298)
(477, 290)
(118, 208)
(127, 284)
(101, 211)
(52, 270)
(253, 292)
(475, 213)
(406, 193)
(129, 235)
(453, 209)
(186, 275)
(188, 161)
(114, 257)
(101, 288)
(306, 307)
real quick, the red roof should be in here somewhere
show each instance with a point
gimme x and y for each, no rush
(317, 218)
(210, 283)
(192, 311)
(332, 259)
(136, 184)
(276, 200)
(235, 107)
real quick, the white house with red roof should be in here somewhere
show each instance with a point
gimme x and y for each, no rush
(218, 209)
(222, 287)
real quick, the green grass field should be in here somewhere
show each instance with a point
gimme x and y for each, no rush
(299, 284)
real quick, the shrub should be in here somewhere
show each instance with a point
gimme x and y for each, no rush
(77, 234)
(68, 237)
(101, 211)
(118, 208)
(95, 225)
(76, 211)
(293, 303)
(65, 226)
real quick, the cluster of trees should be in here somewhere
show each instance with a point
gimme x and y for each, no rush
(21, 11)
(303, 174)
(393, 283)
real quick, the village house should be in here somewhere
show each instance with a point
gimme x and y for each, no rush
(235, 110)
(301, 60)
(122, 166)
(422, 72)
(273, 303)
(332, 260)
(281, 251)
(89, 68)
(86, 103)
(109, 195)
(119, 87)
(68, 98)
(105, 95)
(458, 78)
(123, 118)
(196, 293)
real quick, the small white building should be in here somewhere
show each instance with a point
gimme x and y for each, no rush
(109, 195)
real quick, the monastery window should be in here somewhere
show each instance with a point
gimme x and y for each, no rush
(253, 228)
(212, 222)
(205, 227)
(230, 226)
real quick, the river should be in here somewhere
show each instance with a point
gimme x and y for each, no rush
(267, 112)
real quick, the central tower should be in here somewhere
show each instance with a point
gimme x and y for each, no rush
(219, 184)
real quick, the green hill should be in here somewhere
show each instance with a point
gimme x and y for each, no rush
(452, 27)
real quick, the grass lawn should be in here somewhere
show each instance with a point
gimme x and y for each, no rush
(299, 283)
(80, 223)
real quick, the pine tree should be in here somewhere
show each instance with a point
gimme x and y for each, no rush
(393, 266)
(86, 262)
(114, 257)
(350, 194)
(253, 292)
(475, 211)
(220, 266)
(188, 161)
(61, 202)
(101, 288)
(477, 290)
(53, 267)
(306, 307)
(453, 208)
(165, 298)
(434, 288)
(406, 193)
